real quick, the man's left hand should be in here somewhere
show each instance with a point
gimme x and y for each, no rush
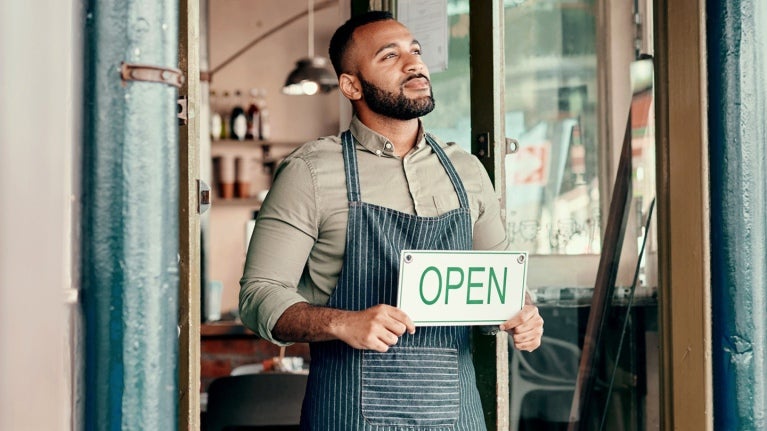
(525, 328)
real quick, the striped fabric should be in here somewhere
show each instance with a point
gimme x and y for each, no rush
(424, 383)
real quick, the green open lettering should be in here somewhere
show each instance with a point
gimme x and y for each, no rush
(498, 288)
(448, 284)
(470, 284)
(439, 285)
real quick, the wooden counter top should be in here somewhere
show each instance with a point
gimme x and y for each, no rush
(226, 328)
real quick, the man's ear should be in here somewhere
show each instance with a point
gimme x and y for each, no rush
(350, 86)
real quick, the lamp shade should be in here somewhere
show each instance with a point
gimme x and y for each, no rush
(310, 76)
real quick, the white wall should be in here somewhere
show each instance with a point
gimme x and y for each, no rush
(39, 54)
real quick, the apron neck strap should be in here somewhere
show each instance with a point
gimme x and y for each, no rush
(350, 166)
(451, 172)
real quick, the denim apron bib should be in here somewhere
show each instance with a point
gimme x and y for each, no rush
(426, 381)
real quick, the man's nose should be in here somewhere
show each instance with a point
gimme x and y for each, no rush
(415, 64)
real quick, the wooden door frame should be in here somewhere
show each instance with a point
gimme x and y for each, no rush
(189, 313)
(488, 135)
(683, 215)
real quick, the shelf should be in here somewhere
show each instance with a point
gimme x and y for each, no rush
(251, 202)
(275, 151)
(251, 142)
(227, 328)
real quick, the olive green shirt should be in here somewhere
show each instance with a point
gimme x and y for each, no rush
(297, 248)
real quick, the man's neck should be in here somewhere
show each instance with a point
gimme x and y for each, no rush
(401, 133)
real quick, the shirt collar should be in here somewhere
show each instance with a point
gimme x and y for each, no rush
(377, 143)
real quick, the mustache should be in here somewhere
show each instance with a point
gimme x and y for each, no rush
(416, 76)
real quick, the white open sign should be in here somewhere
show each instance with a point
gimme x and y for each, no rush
(449, 288)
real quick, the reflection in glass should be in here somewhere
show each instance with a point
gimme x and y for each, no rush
(551, 105)
(451, 118)
(626, 369)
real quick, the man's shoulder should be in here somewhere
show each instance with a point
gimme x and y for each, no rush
(317, 149)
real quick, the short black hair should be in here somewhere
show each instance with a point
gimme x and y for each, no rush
(339, 43)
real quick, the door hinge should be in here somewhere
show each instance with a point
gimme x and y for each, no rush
(149, 73)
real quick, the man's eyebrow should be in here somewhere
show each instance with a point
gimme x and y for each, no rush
(387, 46)
(392, 45)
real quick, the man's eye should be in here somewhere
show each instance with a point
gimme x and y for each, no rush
(390, 55)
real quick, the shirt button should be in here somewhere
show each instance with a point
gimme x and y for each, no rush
(378, 152)
(388, 145)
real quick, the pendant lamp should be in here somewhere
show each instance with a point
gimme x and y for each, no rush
(311, 75)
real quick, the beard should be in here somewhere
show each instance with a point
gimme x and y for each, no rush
(396, 105)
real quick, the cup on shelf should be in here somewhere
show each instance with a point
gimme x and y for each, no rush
(226, 172)
(242, 175)
(213, 292)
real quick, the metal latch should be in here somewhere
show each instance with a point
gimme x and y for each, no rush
(203, 196)
(483, 145)
(182, 106)
(149, 73)
(512, 145)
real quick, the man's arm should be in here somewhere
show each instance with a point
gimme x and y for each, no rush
(282, 241)
(376, 328)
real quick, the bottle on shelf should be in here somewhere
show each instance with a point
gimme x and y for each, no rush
(215, 117)
(264, 129)
(239, 124)
(225, 118)
(253, 115)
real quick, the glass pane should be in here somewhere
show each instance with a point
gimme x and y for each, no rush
(555, 118)
(552, 182)
(451, 118)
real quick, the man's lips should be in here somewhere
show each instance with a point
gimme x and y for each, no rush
(417, 83)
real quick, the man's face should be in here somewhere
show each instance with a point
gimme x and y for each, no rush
(394, 80)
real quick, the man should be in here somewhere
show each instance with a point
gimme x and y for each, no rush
(323, 260)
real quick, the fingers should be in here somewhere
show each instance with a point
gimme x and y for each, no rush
(377, 328)
(525, 317)
(402, 319)
(381, 342)
(529, 340)
(526, 328)
(528, 346)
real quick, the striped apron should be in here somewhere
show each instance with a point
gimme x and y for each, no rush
(426, 381)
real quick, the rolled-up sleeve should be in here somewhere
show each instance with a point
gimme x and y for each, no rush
(285, 232)
(489, 231)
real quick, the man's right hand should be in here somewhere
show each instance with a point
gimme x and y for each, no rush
(376, 328)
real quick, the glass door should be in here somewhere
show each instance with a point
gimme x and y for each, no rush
(573, 93)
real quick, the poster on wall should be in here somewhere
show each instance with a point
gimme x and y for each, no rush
(427, 20)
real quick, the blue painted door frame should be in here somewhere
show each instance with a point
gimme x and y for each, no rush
(129, 229)
(737, 76)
